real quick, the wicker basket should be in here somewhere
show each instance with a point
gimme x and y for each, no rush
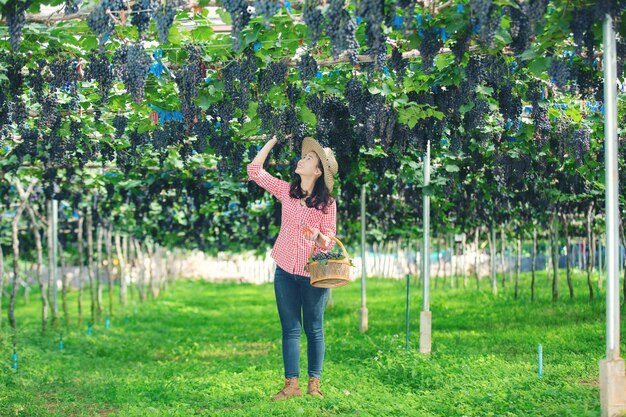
(335, 273)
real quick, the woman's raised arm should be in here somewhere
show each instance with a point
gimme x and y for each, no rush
(265, 150)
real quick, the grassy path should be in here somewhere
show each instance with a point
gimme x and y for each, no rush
(214, 349)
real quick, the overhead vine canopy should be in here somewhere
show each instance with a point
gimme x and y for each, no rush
(156, 109)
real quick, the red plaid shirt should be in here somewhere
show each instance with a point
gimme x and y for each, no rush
(291, 250)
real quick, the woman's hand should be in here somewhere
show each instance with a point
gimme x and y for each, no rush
(311, 233)
(264, 152)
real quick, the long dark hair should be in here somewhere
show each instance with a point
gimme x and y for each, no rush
(319, 199)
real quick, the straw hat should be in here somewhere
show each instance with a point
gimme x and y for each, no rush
(327, 158)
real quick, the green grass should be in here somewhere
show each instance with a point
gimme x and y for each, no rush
(206, 349)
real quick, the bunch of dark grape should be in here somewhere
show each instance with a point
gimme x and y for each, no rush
(581, 24)
(321, 256)
(119, 123)
(132, 64)
(579, 145)
(332, 119)
(398, 65)
(100, 21)
(560, 73)
(314, 103)
(520, 28)
(487, 16)
(510, 105)
(475, 118)
(354, 94)
(226, 112)
(274, 74)
(341, 30)
(162, 138)
(387, 121)
(620, 46)
(429, 47)
(236, 77)
(248, 66)
(71, 6)
(293, 93)
(266, 9)
(14, 65)
(4, 111)
(188, 80)
(533, 94)
(461, 45)
(230, 74)
(65, 75)
(17, 110)
(75, 128)
(335, 126)
(448, 100)
(50, 116)
(372, 11)
(308, 67)
(378, 121)
(562, 136)
(542, 125)
(138, 140)
(28, 146)
(267, 115)
(15, 13)
(99, 69)
(51, 188)
(85, 150)
(589, 83)
(535, 10)
(36, 80)
(202, 130)
(164, 17)
(107, 152)
(240, 16)
(313, 18)
(455, 144)
(142, 10)
(492, 70)
(184, 152)
(56, 148)
(245, 71)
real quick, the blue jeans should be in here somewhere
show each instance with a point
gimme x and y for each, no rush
(296, 295)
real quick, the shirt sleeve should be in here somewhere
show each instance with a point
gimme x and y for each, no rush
(278, 187)
(328, 226)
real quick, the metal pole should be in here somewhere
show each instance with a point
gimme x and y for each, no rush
(55, 241)
(612, 198)
(408, 308)
(451, 244)
(494, 281)
(426, 314)
(363, 313)
(612, 373)
(426, 243)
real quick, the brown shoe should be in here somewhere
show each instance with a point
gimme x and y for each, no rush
(291, 389)
(314, 387)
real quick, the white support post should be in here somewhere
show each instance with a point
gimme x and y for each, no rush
(426, 314)
(612, 374)
(363, 312)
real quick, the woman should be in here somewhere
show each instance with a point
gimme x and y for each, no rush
(308, 218)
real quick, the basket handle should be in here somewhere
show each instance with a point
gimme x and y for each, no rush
(345, 253)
